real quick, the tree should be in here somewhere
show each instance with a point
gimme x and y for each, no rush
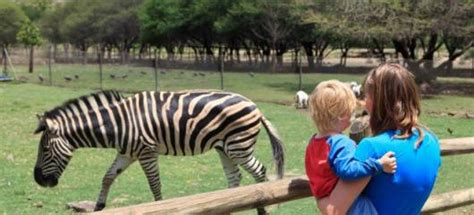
(117, 24)
(52, 27)
(29, 35)
(12, 18)
(457, 32)
(80, 26)
(161, 24)
(266, 26)
(235, 26)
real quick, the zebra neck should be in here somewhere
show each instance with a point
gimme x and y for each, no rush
(87, 130)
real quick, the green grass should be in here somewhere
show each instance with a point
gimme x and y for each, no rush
(282, 86)
(19, 103)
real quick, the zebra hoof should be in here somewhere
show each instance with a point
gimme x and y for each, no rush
(82, 206)
(99, 206)
(261, 211)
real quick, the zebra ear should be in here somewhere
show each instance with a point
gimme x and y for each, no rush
(41, 125)
(52, 126)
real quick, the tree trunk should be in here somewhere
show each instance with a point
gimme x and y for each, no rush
(237, 54)
(66, 52)
(84, 54)
(308, 48)
(429, 52)
(400, 48)
(30, 66)
(55, 51)
(344, 52)
(412, 48)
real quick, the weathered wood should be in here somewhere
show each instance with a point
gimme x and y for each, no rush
(224, 201)
(457, 146)
(264, 194)
(446, 201)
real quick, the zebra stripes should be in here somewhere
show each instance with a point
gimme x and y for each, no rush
(148, 124)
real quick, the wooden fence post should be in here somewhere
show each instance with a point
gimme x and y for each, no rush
(288, 189)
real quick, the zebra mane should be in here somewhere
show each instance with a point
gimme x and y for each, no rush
(111, 96)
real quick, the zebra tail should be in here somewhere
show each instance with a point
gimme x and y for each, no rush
(277, 147)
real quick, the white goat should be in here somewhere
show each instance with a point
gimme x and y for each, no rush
(356, 88)
(301, 99)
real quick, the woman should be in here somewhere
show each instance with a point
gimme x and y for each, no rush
(393, 103)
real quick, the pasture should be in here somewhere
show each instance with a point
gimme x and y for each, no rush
(181, 176)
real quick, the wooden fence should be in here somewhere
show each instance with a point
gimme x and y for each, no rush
(269, 193)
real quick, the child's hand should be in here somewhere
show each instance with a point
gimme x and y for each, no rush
(389, 162)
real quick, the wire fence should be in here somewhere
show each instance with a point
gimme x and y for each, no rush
(151, 70)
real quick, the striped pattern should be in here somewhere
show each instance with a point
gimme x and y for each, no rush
(151, 123)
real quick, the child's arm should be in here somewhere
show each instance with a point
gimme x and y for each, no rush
(342, 161)
(388, 162)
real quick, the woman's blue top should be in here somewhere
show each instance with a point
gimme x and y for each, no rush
(406, 191)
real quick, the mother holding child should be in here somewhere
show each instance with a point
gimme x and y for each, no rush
(391, 172)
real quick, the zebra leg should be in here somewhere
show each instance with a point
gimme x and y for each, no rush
(231, 170)
(149, 164)
(257, 170)
(251, 165)
(120, 163)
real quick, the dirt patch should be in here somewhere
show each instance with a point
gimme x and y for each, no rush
(458, 114)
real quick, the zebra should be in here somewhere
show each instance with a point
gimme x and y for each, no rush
(153, 123)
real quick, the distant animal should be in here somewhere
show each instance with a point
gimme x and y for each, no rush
(450, 130)
(426, 88)
(67, 78)
(76, 77)
(112, 76)
(23, 78)
(202, 74)
(182, 123)
(356, 88)
(40, 78)
(301, 99)
(251, 74)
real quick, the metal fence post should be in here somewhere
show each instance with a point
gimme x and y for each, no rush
(155, 67)
(221, 68)
(100, 69)
(300, 68)
(49, 67)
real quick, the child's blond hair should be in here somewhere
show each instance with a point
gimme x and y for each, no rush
(330, 101)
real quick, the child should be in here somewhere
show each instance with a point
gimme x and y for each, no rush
(330, 154)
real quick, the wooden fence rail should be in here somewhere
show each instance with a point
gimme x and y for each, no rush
(264, 194)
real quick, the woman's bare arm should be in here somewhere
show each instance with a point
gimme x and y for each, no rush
(342, 196)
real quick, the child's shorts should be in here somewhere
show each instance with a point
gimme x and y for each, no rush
(362, 205)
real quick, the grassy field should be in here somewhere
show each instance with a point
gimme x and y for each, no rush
(20, 102)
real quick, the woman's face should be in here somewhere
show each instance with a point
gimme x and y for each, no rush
(368, 103)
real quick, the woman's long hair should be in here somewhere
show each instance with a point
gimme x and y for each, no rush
(395, 101)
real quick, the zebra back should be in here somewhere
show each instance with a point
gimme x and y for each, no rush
(109, 96)
(98, 98)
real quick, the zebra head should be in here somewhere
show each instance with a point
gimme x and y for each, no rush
(54, 153)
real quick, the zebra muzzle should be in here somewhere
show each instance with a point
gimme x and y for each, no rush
(45, 181)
